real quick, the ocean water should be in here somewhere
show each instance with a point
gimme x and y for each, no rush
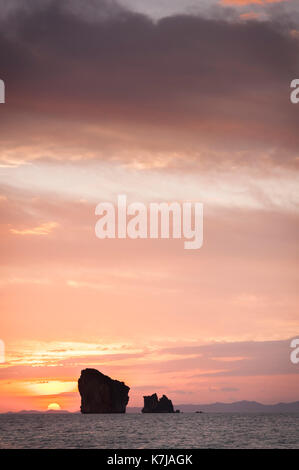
(138, 431)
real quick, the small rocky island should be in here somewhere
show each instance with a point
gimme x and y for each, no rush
(101, 394)
(153, 405)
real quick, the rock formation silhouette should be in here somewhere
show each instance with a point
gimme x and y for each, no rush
(101, 394)
(153, 405)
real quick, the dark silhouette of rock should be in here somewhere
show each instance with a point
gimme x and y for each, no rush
(150, 403)
(153, 405)
(101, 394)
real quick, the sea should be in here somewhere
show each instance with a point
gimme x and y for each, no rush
(152, 431)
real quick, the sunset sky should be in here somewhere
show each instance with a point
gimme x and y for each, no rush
(169, 100)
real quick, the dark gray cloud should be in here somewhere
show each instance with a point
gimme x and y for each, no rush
(208, 82)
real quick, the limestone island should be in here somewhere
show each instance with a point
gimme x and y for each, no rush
(153, 405)
(101, 394)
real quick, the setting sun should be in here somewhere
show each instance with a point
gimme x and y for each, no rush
(54, 406)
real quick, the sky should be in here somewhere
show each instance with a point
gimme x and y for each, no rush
(162, 101)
